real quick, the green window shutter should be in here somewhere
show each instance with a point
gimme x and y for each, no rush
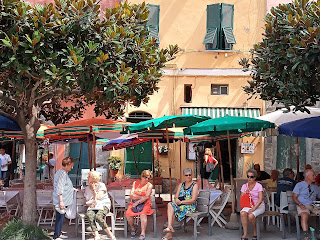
(211, 39)
(227, 38)
(153, 24)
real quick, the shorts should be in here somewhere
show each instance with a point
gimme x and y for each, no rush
(309, 209)
(260, 210)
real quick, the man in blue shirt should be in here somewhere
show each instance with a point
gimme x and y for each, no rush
(304, 194)
(286, 183)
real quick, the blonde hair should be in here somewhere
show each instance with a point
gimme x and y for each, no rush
(95, 176)
(146, 173)
(208, 151)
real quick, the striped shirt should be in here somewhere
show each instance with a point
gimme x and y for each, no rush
(62, 185)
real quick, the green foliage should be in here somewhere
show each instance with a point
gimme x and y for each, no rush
(114, 162)
(286, 64)
(69, 51)
(15, 229)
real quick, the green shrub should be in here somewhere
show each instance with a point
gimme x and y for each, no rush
(16, 230)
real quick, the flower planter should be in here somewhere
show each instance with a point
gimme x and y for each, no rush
(113, 173)
(157, 180)
(163, 153)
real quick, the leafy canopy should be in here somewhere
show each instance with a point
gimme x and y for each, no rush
(71, 52)
(285, 65)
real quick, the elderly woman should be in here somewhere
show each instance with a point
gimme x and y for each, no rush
(184, 202)
(140, 204)
(255, 190)
(98, 204)
(62, 194)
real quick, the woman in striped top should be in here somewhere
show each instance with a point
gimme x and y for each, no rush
(62, 194)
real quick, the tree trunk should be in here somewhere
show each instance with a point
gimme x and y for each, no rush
(29, 125)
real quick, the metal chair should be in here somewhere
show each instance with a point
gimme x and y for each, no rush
(81, 216)
(202, 210)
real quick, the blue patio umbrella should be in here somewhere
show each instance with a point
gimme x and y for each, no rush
(308, 127)
(8, 124)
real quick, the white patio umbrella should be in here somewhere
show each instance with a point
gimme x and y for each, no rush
(282, 116)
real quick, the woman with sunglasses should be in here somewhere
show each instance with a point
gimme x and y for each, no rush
(140, 204)
(250, 214)
(184, 202)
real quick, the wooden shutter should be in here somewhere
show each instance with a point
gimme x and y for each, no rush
(227, 38)
(213, 27)
(153, 24)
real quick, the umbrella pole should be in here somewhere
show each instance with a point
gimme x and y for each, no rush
(153, 171)
(221, 166)
(135, 161)
(170, 179)
(94, 152)
(297, 155)
(78, 165)
(89, 155)
(180, 162)
(158, 158)
(233, 222)
(13, 155)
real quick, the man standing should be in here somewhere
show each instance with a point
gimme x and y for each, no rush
(304, 194)
(286, 183)
(5, 161)
(48, 171)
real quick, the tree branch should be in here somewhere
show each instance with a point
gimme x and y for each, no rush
(7, 100)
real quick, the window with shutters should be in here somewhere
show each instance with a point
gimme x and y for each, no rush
(219, 89)
(153, 23)
(219, 34)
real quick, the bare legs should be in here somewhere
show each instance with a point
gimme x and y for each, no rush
(304, 221)
(244, 219)
(143, 218)
(171, 218)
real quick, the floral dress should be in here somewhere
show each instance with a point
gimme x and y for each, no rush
(182, 210)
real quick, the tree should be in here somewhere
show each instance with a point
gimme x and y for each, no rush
(70, 52)
(286, 64)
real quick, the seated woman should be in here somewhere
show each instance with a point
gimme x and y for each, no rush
(184, 202)
(98, 204)
(272, 182)
(140, 203)
(250, 213)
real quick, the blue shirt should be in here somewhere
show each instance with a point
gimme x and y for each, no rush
(62, 185)
(284, 184)
(306, 196)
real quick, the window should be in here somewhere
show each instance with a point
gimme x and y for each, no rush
(187, 93)
(219, 89)
(219, 33)
(139, 116)
(153, 24)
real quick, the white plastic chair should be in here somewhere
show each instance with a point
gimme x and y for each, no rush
(45, 206)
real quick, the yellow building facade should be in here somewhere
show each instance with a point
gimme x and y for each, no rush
(206, 79)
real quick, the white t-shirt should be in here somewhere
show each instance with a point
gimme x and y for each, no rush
(100, 203)
(52, 162)
(4, 160)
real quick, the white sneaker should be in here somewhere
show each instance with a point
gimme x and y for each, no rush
(63, 236)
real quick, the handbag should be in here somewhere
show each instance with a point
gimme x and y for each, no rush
(209, 167)
(138, 208)
(246, 201)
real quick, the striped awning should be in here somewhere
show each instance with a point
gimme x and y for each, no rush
(216, 112)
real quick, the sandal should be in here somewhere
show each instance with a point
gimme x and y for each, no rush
(133, 233)
(254, 238)
(168, 230)
(142, 237)
(166, 238)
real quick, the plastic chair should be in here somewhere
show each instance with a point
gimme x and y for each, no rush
(217, 208)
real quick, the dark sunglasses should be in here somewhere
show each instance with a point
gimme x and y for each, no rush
(250, 176)
(187, 175)
(147, 177)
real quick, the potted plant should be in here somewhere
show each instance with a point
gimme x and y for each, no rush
(157, 173)
(163, 150)
(115, 164)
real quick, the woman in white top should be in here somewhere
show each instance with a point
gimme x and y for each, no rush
(98, 204)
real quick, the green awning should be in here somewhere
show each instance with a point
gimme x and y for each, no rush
(210, 36)
(216, 112)
(154, 33)
(228, 33)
